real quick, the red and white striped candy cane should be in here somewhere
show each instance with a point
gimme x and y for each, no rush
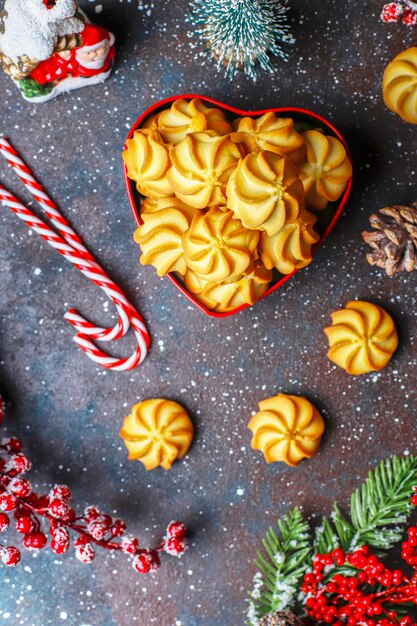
(70, 236)
(93, 271)
(39, 194)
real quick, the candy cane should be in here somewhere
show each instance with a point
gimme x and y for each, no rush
(92, 271)
(39, 194)
(69, 235)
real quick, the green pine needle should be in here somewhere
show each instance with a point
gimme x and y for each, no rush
(282, 565)
(379, 510)
(242, 34)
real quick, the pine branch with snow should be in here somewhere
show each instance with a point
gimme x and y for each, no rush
(379, 509)
(281, 565)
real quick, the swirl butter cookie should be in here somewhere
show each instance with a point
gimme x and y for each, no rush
(362, 338)
(287, 428)
(265, 192)
(268, 132)
(217, 246)
(160, 240)
(399, 85)
(291, 247)
(147, 161)
(201, 166)
(245, 289)
(325, 169)
(157, 432)
(188, 116)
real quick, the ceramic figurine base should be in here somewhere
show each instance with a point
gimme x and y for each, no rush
(66, 85)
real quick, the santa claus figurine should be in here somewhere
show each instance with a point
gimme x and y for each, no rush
(80, 58)
(87, 64)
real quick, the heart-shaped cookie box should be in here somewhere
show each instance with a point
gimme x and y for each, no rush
(299, 115)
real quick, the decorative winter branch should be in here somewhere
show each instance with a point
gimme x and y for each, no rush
(92, 529)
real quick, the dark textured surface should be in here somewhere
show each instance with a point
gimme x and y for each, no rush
(69, 411)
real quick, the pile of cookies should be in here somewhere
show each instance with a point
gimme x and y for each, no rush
(227, 204)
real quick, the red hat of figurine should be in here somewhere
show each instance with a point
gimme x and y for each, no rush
(93, 36)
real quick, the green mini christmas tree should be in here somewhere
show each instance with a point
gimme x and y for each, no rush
(242, 34)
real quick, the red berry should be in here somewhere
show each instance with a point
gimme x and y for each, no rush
(81, 541)
(35, 541)
(97, 530)
(8, 502)
(117, 528)
(414, 500)
(129, 544)
(10, 556)
(91, 513)
(60, 540)
(391, 12)
(58, 548)
(176, 530)
(4, 522)
(18, 464)
(409, 18)
(175, 547)
(20, 487)
(61, 492)
(24, 524)
(59, 508)
(146, 562)
(84, 553)
(13, 444)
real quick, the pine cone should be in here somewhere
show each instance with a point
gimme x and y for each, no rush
(394, 240)
(282, 618)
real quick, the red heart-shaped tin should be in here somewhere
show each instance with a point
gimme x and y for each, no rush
(328, 218)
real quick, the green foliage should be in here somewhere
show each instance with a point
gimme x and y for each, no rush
(242, 34)
(30, 88)
(378, 511)
(282, 565)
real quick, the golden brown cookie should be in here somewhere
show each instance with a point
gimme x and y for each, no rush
(362, 337)
(325, 169)
(217, 247)
(147, 161)
(201, 166)
(268, 132)
(157, 432)
(265, 192)
(150, 205)
(400, 85)
(188, 116)
(160, 240)
(195, 285)
(287, 428)
(291, 248)
(246, 289)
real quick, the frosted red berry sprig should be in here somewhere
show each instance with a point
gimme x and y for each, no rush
(50, 519)
(364, 592)
(404, 11)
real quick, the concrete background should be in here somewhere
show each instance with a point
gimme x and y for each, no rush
(69, 412)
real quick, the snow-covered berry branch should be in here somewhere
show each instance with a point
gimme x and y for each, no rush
(37, 516)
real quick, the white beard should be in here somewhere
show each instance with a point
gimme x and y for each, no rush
(97, 64)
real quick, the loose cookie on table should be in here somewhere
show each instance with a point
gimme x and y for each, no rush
(362, 338)
(157, 432)
(287, 428)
